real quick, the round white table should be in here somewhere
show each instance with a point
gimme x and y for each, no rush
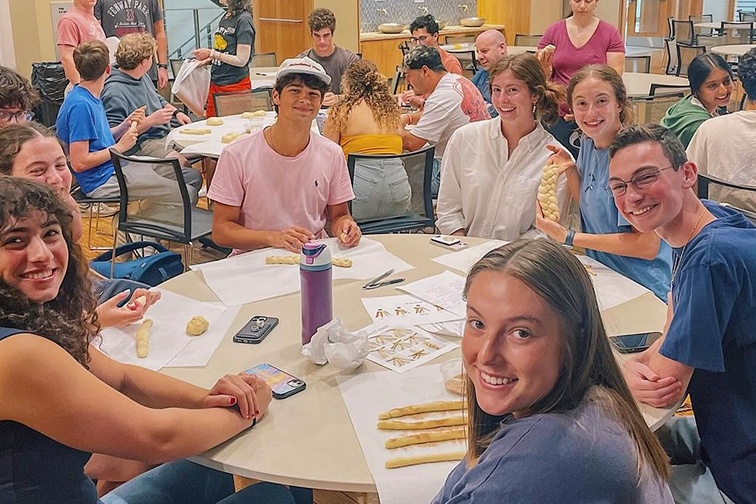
(733, 50)
(308, 440)
(639, 84)
(465, 47)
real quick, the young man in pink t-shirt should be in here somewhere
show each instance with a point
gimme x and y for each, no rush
(279, 187)
(77, 26)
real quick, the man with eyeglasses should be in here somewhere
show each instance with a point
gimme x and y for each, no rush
(17, 97)
(709, 345)
(723, 146)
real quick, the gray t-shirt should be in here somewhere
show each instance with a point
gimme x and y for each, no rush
(334, 65)
(584, 456)
(120, 17)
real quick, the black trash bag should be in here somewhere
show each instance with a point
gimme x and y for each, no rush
(50, 81)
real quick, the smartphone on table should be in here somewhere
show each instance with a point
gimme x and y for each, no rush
(281, 383)
(637, 342)
(450, 242)
(255, 330)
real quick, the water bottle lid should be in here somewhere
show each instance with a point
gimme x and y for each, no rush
(315, 257)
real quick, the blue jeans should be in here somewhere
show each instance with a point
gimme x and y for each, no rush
(690, 481)
(436, 178)
(184, 482)
(381, 189)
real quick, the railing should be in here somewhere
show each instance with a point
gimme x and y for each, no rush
(200, 32)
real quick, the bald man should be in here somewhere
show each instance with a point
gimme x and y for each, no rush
(491, 46)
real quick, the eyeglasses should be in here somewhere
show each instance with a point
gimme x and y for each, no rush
(8, 116)
(640, 181)
(420, 39)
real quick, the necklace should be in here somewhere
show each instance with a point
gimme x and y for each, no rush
(270, 138)
(678, 260)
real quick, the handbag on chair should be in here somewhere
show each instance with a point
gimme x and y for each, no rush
(149, 269)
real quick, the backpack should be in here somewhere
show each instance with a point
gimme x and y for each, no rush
(149, 269)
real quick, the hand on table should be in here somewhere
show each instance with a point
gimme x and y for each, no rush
(350, 233)
(647, 387)
(291, 239)
(111, 315)
(250, 393)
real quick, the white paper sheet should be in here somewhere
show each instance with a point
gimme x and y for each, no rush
(612, 288)
(462, 260)
(451, 328)
(246, 278)
(444, 289)
(405, 309)
(168, 336)
(401, 348)
(368, 394)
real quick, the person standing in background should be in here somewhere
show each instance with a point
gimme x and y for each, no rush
(119, 18)
(232, 47)
(333, 59)
(77, 26)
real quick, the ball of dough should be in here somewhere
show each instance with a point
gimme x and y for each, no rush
(197, 325)
(229, 137)
(214, 121)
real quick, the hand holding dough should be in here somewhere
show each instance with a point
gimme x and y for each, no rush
(197, 325)
(214, 121)
(547, 196)
(143, 338)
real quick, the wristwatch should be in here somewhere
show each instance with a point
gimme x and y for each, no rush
(570, 238)
(163, 65)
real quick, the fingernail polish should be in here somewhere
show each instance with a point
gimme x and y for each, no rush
(232, 401)
(257, 412)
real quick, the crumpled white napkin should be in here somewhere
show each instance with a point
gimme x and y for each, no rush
(333, 344)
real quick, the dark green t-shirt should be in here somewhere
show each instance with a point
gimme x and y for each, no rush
(232, 31)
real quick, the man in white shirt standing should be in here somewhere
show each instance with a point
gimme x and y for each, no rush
(452, 101)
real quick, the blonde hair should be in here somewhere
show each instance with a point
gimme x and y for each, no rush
(589, 369)
(611, 77)
(363, 82)
(133, 49)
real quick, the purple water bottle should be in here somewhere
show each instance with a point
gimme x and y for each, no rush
(315, 272)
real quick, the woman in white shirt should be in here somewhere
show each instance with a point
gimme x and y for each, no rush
(491, 170)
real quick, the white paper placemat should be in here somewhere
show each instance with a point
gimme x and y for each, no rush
(463, 260)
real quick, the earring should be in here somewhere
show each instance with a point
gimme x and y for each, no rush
(534, 109)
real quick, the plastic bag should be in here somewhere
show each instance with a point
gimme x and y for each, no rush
(49, 79)
(335, 345)
(192, 85)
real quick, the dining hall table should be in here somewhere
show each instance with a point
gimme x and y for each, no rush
(308, 439)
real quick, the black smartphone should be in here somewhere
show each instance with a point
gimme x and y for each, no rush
(255, 330)
(281, 383)
(631, 343)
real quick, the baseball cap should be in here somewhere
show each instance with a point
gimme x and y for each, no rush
(303, 66)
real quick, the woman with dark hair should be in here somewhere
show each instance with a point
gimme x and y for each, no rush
(549, 416)
(711, 86)
(233, 45)
(598, 99)
(63, 398)
(491, 168)
(365, 120)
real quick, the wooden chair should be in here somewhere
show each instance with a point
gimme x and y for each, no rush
(237, 102)
(741, 197)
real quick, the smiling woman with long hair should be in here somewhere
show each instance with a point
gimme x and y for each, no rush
(550, 418)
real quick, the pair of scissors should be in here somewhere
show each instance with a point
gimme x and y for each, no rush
(376, 282)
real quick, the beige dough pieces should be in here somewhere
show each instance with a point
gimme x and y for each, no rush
(250, 115)
(143, 338)
(230, 137)
(197, 325)
(547, 192)
(214, 121)
(292, 259)
(195, 131)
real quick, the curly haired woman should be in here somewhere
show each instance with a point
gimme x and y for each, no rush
(365, 121)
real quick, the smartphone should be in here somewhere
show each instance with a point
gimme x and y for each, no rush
(450, 242)
(631, 343)
(281, 383)
(255, 330)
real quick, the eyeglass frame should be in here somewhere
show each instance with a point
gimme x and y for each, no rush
(654, 172)
(420, 39)
(16, 116)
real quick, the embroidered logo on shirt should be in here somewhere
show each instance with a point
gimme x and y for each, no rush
(316, 183)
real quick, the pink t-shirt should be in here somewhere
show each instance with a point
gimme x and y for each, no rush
(276, 192)
(77, 27)
(450, 62)
(568, 59)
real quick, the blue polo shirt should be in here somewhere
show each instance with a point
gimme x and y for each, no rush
(480, 79)
(83, 117)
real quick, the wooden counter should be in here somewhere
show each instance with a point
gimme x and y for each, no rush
(383, 48)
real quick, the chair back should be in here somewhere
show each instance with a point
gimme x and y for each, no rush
(175, 65)
(460, 39)
(155, 200)
(419, 168)
(736, 33)
(671, 52)
(703, 18)
(398, 81)
(683, 30)
(741, 197)
(468, 61)
(651, 109)
(670, 28)
(404, 47)
(522, 39)
(267, 59)
(237, 102)
(640, 63)
(685, 55)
